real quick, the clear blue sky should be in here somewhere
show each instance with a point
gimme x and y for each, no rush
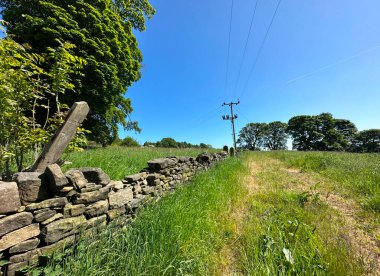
(320, 56)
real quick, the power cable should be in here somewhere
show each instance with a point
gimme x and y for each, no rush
(229, 49)
(261, 48)
(246, 46)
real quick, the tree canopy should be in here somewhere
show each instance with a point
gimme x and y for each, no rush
(102, 31)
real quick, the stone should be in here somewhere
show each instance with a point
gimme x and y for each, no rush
(32, 187)
(25, 246)
(29, 256)
(102, 220)
(134, 177)
(62, 228)
(66, 189)
(9, 197)
(49, 249)
(96, 209)
(73, 210)
(115, 213)
(58, 202)
(76, 178)
(120, 198)
(19, 235)
(96, 175)
(90, 187)
(150, 190)
(14, 222)
(46, 214)
(161, 163)
(12, 269)
(53, 151)
(55, 178)
(53, 218)
(91, 197)
(117, 185)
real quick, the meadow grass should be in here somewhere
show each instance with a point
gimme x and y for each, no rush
(118, 161)
(290, 233)
(355, 175)
(180, 234)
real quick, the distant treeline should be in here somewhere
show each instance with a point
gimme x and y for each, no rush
(164, 143)
(321, 132)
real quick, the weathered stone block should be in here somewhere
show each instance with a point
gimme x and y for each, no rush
(117, 185)
(13, 269)
(73, 210)
(62, 228)
(14, 222)
(90, 187)
(53, 218)
(96, 175)
(114, 213)
(161, 163)
(19, 235)
(46, 214)
(120, 198)
(49, 203)
(96, 209)
(134, 177)
(25, 246)
(9, 197)
(55, 178)
(91, 197)
(76, 178)
(32, 187)
(102, 220)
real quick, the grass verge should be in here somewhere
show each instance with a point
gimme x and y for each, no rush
(181, 234)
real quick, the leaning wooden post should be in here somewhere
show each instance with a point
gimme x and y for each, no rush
(53, 151)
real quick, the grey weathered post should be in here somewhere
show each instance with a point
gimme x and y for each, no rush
(61, 139)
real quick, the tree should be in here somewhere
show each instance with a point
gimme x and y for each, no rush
(304, 131)
(167, 143)
(102, 30)
(251, 136)
(367, 141)
(129, 142)
(275, 136)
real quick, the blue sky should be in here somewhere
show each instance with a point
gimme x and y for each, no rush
(320, 56)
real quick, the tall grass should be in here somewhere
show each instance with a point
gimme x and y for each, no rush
(354, 174)
(181, 234)
(119, 161)
(292, 233)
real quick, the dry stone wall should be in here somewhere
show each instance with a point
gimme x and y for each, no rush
(42, 212)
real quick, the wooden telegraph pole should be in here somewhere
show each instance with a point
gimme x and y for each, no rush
(232, 119)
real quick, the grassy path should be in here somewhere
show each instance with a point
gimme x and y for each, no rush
(253, 215)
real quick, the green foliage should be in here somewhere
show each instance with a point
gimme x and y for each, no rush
(129, 142)
(102, 30)
(275, 136)
(321, 132)
(171, 143)
(367, 141)
(251, 136)
(23, 90)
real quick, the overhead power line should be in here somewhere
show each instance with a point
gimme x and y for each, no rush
(246, 45)
(260, 49)
(229, 48)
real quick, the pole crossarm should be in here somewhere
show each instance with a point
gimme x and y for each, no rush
(231, 118)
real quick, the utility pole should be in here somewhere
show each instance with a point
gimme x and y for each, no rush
(232, 119)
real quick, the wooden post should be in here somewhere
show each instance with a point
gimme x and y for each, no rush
(63, 136)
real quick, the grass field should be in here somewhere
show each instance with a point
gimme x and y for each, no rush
(264, 213)
(119, 161)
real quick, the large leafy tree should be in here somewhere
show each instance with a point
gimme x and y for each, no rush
(367, 141)
(251, 136)
(321, 132)
(275, 136)
(102, 31)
